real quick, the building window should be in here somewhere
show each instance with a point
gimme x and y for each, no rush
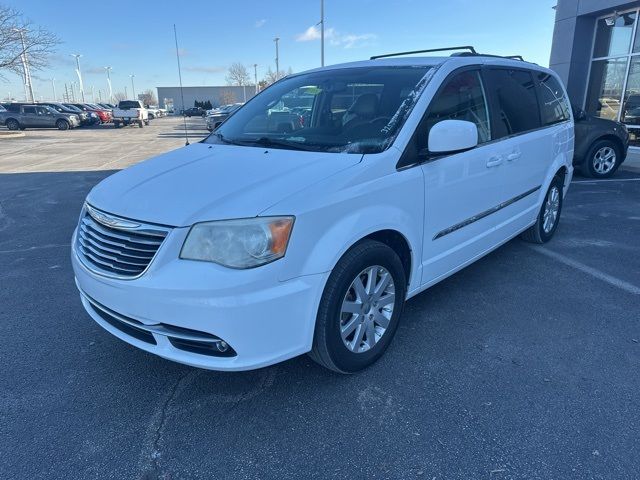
(605, 87)
(614, 39)
(613, 88)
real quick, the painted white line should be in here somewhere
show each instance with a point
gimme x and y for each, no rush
(611, 280)
(607, 180)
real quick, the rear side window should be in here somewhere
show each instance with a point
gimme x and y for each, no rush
(516, 103)
(30, 109)
(554, 107)
(462, 97)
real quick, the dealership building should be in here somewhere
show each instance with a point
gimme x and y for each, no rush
(171, 97)
(596, 51)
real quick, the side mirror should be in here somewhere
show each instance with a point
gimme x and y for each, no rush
(451, 136)
(578, 114)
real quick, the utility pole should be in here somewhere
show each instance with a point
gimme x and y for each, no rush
(53, 86)
(277, 39)
(77, 57)
(28, 86)
(133, 87)
(125, 92)
(255, 75)
(66, 93)
(73, 92)
(108, 69)
(322, 33)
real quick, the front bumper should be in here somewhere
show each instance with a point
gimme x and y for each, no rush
(264, 321)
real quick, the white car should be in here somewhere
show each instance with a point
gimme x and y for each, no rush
(292, 231)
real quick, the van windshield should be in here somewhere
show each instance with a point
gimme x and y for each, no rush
(352, 110)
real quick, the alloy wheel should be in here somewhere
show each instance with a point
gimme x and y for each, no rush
(551, 209)
(367, 309)
(604, 160)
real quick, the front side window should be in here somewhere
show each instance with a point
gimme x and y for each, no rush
(516, 102)
(30, 110)
(351, 110)
(554, 106)
(461, 98)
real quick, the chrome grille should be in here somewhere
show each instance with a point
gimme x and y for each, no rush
(114, 246)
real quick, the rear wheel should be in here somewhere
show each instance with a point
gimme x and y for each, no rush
(12, 124)
(140, 124)
(117, 124)
(549, 216)
(146, 122)
(603, 159)
(62, 125)
(360, 308)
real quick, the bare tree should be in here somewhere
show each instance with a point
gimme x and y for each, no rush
(227, 97)
(149, 97)
(238, 75)
(271, 77)
(119, 96)
(19, 37)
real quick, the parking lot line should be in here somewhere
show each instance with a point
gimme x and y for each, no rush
(605, 277)
(607, 180)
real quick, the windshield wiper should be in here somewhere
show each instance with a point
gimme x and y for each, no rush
(224, 139)
(277, 142)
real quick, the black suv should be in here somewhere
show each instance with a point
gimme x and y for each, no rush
(194, 112)
(601, 145)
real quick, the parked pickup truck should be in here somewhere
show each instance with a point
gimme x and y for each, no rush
(128, 112)
(37, 116)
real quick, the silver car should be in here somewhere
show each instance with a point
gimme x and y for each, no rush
(37, 116)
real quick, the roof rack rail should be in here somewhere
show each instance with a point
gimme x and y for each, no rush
(475, 54)
(431, 50)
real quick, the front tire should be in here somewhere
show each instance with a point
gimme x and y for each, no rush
(549, 215)
(13, 124)
(603, 159)
(62, 125)
(360, 308)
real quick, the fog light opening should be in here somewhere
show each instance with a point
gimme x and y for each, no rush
(222, 346)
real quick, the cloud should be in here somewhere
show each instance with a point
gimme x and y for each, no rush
(261, 22)
(347, 40)
(200, 69)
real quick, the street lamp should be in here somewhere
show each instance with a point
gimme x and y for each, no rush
(322, 33)
(255, 75)
(108, 70)
(277, 39)
(77, 57)
(133, 87)
(53, 86)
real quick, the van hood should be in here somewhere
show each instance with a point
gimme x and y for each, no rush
(203, 182)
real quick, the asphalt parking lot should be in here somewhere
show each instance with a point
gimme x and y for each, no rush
(522, 366)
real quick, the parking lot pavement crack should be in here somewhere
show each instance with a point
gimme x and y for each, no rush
(150, 456)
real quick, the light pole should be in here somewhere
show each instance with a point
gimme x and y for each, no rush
(28, 86)
(77, 57)
(73, 92)
(108, 70)
(277, 39)
(322, 33)
(255, 75)
(133, 87)
(53, 86)
(125, 92)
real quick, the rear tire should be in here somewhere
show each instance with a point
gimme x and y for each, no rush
(62, 125)
(13, 124)
(140, 124)
(146, 122)
(602, 160)
(549, 215)
(117, 124)
(359, 313)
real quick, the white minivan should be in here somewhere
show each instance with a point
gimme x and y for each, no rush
(304, 222)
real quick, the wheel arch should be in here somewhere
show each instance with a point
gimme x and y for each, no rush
(398, 243)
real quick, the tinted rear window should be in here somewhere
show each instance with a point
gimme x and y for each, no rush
(129, 104)
(516, 102)
(554, 107)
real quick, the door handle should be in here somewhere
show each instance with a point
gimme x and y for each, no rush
(514, 156)
(494, 162)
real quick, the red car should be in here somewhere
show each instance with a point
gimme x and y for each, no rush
(103, 114)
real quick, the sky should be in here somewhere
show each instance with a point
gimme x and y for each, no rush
(136, 36)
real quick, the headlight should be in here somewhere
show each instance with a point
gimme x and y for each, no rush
(244, 243)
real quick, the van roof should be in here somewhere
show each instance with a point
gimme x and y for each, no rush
(456, 60)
